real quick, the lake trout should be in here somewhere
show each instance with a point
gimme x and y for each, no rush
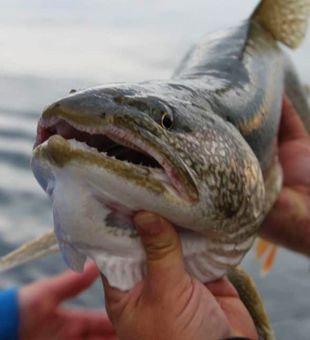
(199, 149)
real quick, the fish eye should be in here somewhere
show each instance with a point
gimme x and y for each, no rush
(166, 121)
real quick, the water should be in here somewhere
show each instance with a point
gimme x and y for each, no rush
(47, 48)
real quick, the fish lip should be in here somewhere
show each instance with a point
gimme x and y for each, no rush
(179, 179)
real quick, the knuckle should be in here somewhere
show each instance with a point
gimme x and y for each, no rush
(160, 250)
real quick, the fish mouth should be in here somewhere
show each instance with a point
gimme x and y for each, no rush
(124, 148)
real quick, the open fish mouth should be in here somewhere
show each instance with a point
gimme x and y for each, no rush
(122, 148)
(126, 151)
(98, 177)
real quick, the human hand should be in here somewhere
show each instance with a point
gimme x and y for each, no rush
(288, 223)
(42, 317)
(170, 304)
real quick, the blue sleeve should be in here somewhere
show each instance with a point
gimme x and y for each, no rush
(9, 314)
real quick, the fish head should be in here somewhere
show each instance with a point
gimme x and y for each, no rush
(105, 153)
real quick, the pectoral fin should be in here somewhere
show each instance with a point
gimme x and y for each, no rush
(270, 250)
(250, 297)
(42, 246)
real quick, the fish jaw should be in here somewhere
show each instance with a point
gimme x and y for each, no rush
(123, 131)
(93, 209)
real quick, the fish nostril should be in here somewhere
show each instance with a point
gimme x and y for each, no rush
(139, 104)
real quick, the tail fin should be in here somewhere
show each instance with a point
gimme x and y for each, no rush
(39, 247)
(286, 20)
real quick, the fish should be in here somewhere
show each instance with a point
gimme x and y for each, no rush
(200, 149)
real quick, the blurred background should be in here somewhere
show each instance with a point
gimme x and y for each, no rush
(49, 47)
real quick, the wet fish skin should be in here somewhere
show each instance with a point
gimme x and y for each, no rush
(201, 144)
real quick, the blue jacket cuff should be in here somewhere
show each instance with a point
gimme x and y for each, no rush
(9, 314)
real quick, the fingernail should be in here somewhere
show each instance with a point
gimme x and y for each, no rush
(148, 223)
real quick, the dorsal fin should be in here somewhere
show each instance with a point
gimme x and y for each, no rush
(286, 20)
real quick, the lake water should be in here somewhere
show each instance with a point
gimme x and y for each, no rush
(49, 47)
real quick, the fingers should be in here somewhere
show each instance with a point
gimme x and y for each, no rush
(162, 246)
(294, 151)
(288, 222)
(291, 126)
(95, 322)
(69, 284)
(295, 160)
(113, 296)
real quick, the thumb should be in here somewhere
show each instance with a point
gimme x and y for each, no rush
(163, 249)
